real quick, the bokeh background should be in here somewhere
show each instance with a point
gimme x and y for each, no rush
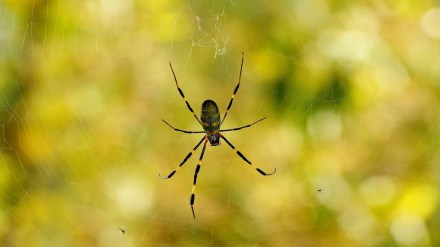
(350, 89)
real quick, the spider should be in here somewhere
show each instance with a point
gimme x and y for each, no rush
(210, 121)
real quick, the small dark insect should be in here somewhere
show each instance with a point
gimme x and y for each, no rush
(210, 121)
(122, 230)
(319, 190)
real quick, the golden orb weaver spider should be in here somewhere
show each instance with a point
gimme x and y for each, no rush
(210, 121)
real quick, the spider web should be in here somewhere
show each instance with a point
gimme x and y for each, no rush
(350, 91)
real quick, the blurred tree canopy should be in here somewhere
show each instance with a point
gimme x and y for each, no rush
(350, 89)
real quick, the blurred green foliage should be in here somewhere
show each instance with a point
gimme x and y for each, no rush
(350, 88)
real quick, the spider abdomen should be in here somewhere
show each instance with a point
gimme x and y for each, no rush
(210, 118)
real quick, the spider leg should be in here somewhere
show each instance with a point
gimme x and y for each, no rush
(235, 90)
(242, 127)
(193, 192)
(184, 131)
(183, 96)
(184, 160)
(245, 159)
